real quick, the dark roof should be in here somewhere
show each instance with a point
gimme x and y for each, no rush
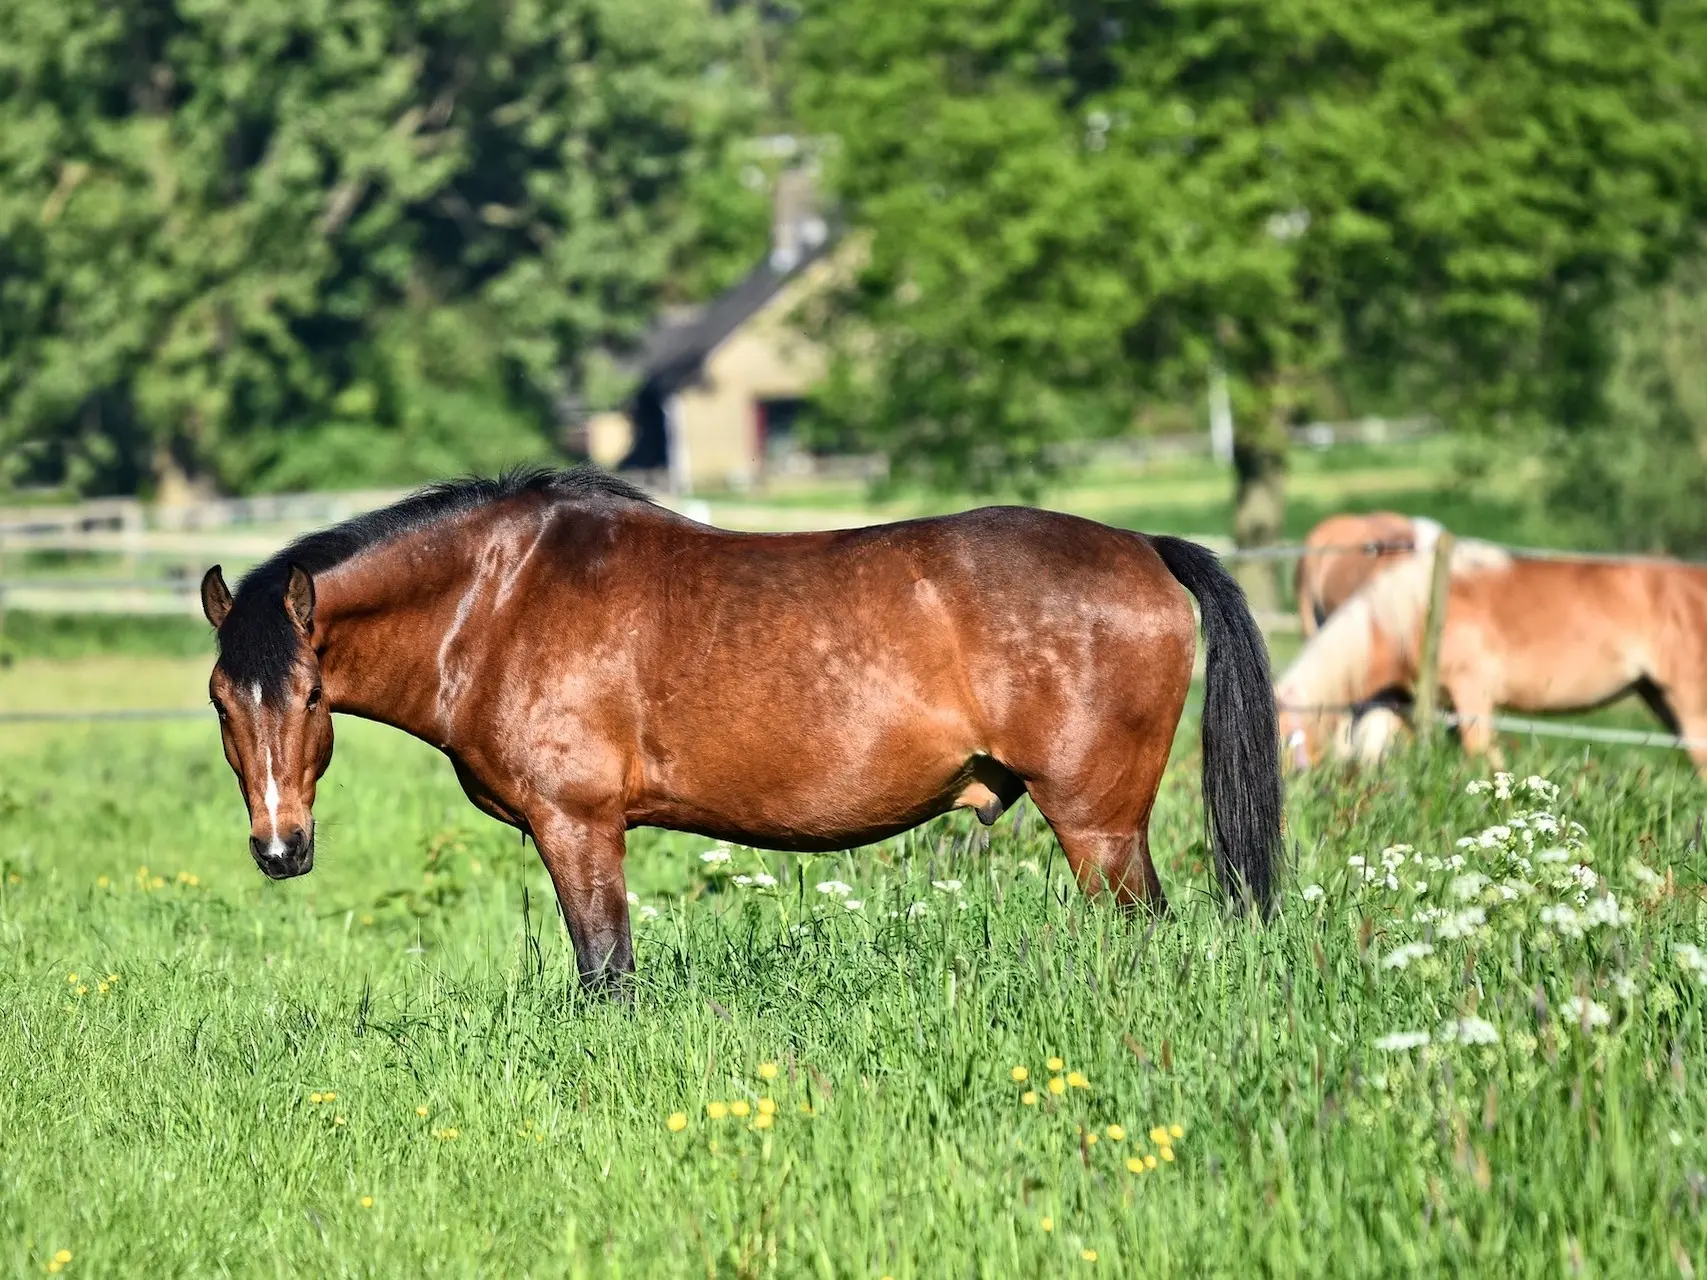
(673, 354)
(257, 643)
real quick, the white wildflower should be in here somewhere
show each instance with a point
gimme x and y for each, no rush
(946, 886)
(765, 880)
(648, 913)
(633, 899)
(1605, 913)
(1502, 786)
(1540, 788)
(1356, 860)
(715, 857)
(1565, 920)
(1421, 886)
(1402, 1041)
(1478, 786)
(1691, 960)
(1460, 923)
(1468, 886)
(1588, 1014)
(743, 881)
(1625, 986)
(1468, 1030)
(1312, 892)
(1647, 879)
(917, 910)
(852, 904)
(834, 888)
(1400, 957)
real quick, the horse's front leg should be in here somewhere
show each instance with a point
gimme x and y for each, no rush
(584, 856)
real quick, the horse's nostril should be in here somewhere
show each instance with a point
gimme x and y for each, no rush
(257, 848)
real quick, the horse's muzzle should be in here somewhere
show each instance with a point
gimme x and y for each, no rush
(286, 855)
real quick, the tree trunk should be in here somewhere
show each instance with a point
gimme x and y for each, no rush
(1259, 515)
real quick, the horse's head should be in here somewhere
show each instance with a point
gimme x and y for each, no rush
(273, 717)
(1303, 733)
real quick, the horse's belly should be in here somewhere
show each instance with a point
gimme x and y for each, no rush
(823, 805)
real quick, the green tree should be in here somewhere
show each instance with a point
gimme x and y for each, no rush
(251, 240)
(1077, 209)
(1636, 481)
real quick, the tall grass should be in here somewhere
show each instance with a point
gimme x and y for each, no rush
(383, 1070)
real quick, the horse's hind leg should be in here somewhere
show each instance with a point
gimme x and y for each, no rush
(584, 858)
(1102, 819)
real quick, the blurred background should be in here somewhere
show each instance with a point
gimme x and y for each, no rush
(1214, 267)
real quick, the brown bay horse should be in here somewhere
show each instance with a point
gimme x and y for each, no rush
(591, 662)
(1345, 551)
(1526, 634)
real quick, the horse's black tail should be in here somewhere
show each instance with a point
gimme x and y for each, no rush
(1241, 750)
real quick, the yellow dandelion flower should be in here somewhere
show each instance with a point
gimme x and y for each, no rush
(1135, 1164)
(1160, 1136)
(767, 1106)
(1057, 1085)
(366, 1202)
(102, 987)
(767, 1071)
(421, 1111)
(1019, 1075)
(71, 978)
(54, 1268)
(677, 1122)
(1115, 1133)
(82, 990)
(101, 882)
(763, 1120)
(1046, 1222)
(112, 977)
(739, 1107)
(717, 1110)
(1177, 1130)
(1167, 1153)
(1055, 1064)
(1089, 1255)
(314, 1097)
(1029, 1097)
(338, 1120)
(159, 882)
(327, 1097)
(1090, 1139)
(1077, 1080)
(62, 1257)
(1150, 1161)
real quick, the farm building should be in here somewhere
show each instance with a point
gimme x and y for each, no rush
(721, 386)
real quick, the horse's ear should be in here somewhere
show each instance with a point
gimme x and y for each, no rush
(216, 597)
(299, 599)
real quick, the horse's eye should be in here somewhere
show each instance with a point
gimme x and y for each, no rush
(219, 710)
(314, 697)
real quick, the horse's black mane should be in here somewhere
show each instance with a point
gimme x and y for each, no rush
(257, 641)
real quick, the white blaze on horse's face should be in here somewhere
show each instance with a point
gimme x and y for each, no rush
(278, 743)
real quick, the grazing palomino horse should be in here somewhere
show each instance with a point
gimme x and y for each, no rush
(591, 662)
(1525, 634)
(1344, 552)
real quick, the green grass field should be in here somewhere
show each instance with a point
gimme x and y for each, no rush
(382, 1069)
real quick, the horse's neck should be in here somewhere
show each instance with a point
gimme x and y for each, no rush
(380, 625)
(1334, 674)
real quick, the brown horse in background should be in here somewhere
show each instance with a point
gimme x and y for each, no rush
(1524, 634)
(591, 662)
(1344, 552)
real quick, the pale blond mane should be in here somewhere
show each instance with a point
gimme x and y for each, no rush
(1332, 667)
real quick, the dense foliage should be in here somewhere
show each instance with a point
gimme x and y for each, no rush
(291, 243)
(1075, 210)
